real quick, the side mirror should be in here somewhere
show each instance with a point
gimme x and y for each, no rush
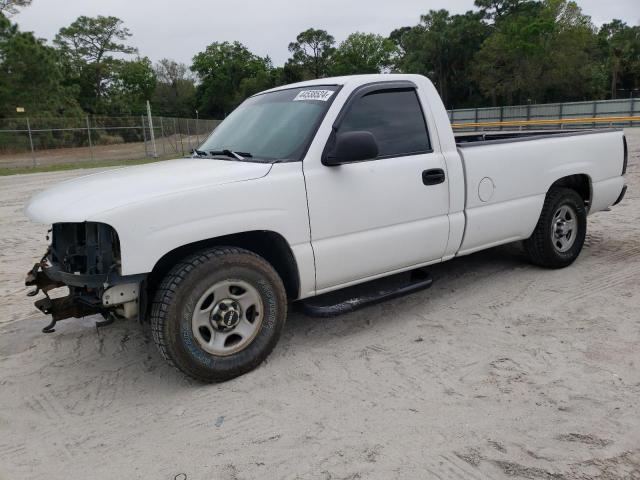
(352, 147)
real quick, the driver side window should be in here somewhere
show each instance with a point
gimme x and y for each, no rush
(395, 119)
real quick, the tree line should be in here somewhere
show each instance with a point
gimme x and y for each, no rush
(504, 52)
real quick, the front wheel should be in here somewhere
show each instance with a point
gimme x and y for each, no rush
(559, 235)
(219, 313)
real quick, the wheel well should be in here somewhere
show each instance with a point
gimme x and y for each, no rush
(580, 183)
(269, 245)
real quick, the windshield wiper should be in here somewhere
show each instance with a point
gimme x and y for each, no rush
(199, 153)
(231, 153)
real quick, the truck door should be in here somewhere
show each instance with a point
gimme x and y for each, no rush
(385, 214)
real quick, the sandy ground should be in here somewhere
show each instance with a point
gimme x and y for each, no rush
(501, 370)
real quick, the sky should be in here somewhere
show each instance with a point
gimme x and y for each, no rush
(162, 30)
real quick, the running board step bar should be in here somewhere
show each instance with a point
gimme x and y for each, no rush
(353, 298)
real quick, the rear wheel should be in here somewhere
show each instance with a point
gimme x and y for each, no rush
(559, 235)
(219, 313)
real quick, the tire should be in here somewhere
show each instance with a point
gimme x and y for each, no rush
(204, 292)
(549, 246)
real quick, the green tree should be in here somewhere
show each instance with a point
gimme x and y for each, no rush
(311, 53)
(221, 68)
(172, 73)
(9, 8)
(544, 51)
(363, 53)
(496, 9)
(397, 36)
(573, 54)
(263, 79)
(87, 46)
(175, 90)
(30, 75)
(133, 84)
(442, 47)
(620, 47)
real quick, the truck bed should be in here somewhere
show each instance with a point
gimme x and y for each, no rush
(471, 139)
(508, 174)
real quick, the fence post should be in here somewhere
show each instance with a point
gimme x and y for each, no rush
(595, 112)
(501, 116)
(33, 152)
(89, 136)
(151, 132)
(560, 113)
(144, 136)
(631, 108)
(476, 117)
(164, 146)
(189, 136)
(179, 134)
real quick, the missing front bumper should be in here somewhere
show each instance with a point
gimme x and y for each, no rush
(70, 306)
(62, 308)
(88, 294)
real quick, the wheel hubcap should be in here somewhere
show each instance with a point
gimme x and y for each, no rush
(564, 228)
(227, 317)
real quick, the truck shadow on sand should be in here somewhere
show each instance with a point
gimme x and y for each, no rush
(451, 279)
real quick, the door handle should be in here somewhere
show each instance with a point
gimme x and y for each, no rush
(433, 176)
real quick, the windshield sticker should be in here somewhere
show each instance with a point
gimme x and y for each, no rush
(319, 95)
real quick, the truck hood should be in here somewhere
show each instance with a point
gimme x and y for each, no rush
(80, 199)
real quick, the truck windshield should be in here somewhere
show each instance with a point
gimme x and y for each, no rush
(276, 126)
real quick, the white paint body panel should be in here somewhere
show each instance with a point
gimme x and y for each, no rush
(83, 198)
(523, 171)
(345, 224)
(366, 226)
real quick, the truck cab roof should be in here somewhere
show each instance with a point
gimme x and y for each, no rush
(349, 80)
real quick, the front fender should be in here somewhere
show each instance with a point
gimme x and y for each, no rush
(277, 202)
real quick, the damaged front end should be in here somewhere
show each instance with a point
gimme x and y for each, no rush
(85, 258)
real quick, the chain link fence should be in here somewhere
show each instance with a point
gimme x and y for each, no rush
(591, 114)
(30, 142)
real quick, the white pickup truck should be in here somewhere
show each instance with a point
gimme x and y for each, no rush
(303, 190)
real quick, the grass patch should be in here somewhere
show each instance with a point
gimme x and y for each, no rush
(4, 171)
